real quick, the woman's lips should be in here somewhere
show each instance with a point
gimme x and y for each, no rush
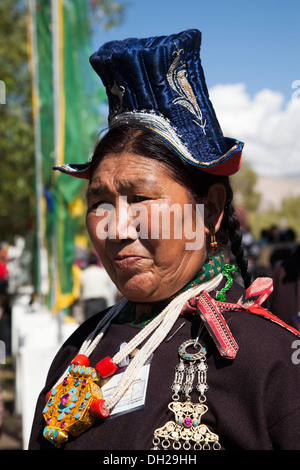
(126, 261)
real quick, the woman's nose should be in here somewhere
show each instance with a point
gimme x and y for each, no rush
(121, 227)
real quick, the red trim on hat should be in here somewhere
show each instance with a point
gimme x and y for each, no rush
(80, 174)
(227, 168)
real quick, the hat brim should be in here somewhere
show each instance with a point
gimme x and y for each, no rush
(226, 165)
(74, 169)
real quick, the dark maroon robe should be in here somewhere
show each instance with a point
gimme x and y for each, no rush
(253, 401)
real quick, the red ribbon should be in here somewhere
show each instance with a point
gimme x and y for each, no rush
(211, 310)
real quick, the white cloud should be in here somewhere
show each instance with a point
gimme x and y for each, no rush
(269, 127)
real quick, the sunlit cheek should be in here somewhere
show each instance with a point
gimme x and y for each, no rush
(101, 223)
(89, 224)
(98, 229)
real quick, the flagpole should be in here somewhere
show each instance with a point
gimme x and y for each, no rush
(38, 153)
(57, 105)
(55, 80)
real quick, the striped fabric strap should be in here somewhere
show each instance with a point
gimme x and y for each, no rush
(216, 325)
(211, 310)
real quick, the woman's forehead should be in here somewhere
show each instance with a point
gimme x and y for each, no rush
(101, 184)
(130, 169)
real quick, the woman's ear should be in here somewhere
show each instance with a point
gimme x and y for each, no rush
(214, 207)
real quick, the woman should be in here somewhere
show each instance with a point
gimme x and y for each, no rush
(187, 359)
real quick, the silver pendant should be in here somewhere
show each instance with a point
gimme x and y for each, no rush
(187, 431)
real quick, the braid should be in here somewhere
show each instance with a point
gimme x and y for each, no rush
(231, 225)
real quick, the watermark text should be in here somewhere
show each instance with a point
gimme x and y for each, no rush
(296, 353)
(296, 93)
(155, 221)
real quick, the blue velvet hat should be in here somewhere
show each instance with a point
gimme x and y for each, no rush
(158, 84)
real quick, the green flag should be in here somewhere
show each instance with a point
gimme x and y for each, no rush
(69, 96)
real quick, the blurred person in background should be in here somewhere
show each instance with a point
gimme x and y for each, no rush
(3, 279)
(96, 288)
(285, 298)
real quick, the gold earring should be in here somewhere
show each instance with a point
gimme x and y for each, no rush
(213, 241)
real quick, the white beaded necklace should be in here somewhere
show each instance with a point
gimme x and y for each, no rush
(160, 326)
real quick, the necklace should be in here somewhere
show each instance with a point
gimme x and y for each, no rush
(76, 399)
(166, 321)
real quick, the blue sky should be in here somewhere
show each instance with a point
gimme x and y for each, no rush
(256, 42)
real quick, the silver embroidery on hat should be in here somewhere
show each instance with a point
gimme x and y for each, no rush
(119, 92)
(158, 123)
(177, 78)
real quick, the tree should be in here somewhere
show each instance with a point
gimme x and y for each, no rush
(243, 183)
(16, 130)
(108, 12)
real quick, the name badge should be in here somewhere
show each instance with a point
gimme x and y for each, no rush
(135, 396)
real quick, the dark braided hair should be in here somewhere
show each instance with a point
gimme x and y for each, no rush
(147, 143)
(231, 225)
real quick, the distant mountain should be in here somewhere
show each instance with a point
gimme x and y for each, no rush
(274, 189)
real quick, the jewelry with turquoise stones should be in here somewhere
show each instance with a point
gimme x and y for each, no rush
(187, 431)
(71, 405)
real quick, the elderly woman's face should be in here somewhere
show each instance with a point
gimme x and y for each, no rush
(143, 227)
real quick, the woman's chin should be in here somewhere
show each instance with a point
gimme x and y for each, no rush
(137, 289)
(138, 295)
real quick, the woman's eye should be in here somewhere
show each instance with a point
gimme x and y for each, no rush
(94, 205)
(137, 199)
